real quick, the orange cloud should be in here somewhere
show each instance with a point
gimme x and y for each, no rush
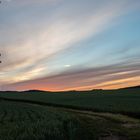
(104, 77)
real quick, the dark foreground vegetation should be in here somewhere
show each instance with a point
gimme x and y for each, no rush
(124, 101)
(24, 121)
(19, 121)
(37, 115)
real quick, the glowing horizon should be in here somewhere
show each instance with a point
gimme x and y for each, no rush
(59, 45)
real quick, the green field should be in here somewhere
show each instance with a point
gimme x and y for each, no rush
(126, 101)
(71, 115)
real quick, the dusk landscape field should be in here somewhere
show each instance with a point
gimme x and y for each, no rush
(73, 115)
(124, 101)
(69, 69)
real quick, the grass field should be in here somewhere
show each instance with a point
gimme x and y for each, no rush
(126, 101)
(23, 121)
(74, 115)
(26, 122)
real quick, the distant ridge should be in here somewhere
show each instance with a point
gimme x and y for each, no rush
(36, 91)
(134, 87)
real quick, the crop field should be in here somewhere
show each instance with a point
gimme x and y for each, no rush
(23, 121)
(20, 121)
(126, 101)
(94, 115)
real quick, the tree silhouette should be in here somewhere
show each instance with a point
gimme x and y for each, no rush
(0, 56)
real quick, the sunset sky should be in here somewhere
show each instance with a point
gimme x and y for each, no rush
(58, 45)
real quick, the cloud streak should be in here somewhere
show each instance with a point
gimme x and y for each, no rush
(50, 28)
(103, 77)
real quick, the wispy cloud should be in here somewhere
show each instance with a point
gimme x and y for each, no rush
(34, 40)
(103, 77)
